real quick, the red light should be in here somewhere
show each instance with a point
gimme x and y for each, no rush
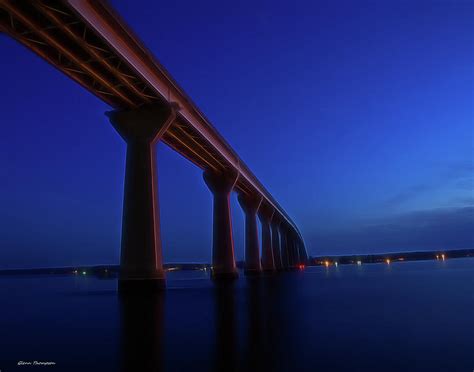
(301, 267)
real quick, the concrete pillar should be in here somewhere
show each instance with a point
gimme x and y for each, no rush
(303, 253)
(284, 247)
(297, 251)
(267, 252)
(276, 244)
(252, 250)
(141, 260)
(223, 260)
(290, 241)
(289, 248)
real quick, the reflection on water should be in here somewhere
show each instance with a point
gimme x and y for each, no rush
(226, 328)
(369, 318)
(142, 324)
(143, 321)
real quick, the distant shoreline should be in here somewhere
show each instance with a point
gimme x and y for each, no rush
(391, 257)
(111, 271)
(101, 271)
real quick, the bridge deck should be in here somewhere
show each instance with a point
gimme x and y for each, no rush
(90, 43)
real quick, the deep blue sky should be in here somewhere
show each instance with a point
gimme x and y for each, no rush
(357, 116)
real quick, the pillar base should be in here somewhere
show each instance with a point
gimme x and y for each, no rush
(141, 285)
(224, 276)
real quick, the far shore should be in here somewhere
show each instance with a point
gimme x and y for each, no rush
(111, 271)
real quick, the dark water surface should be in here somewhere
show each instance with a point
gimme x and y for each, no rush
(412, 316)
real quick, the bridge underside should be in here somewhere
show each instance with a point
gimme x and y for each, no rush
(57, 34)
(89, 42)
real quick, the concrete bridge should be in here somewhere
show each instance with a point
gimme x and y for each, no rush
(89, 42)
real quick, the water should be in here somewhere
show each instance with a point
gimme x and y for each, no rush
(411, 316)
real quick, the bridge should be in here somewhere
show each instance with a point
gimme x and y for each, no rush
(90, 43)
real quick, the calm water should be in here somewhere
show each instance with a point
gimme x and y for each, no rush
(412, 316)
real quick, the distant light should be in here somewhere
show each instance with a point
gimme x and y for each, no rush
(359, 263)
(335, 264)
(301, 266)
(437, 257)
(84, 273)
(326, 263)
(75, 271)
(387, 261)
(442, 257)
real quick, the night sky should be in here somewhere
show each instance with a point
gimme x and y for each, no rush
(357, 116)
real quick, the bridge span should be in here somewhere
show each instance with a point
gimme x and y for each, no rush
(90, 43)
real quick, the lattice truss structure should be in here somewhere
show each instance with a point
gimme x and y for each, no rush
(55, 32)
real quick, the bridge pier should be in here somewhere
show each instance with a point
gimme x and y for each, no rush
(268, 263)
(141, 264)
(284, 247)
(276, 244)
(297, 252)
(223, 260)
(299, 260)
(250, 207)
(291, 249)
(303, 253)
